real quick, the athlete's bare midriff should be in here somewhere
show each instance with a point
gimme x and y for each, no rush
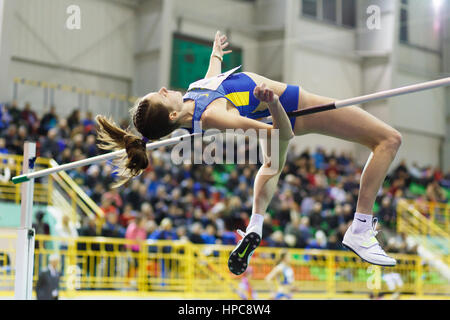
(277, 87)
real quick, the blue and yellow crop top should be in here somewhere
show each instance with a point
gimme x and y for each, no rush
(238, 89)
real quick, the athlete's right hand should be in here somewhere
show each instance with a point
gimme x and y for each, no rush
(265, 94)
(279, 117)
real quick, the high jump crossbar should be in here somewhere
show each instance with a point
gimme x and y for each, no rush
(97, 159)
(320, 108)
(369, 97)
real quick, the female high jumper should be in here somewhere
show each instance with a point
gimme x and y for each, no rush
(236, 101)
(284, 273)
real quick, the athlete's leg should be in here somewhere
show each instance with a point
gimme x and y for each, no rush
(266, 179)
(352, 124)
(357, 125)
(265, 184)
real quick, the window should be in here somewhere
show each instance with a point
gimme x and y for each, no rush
(338, 12)
(190, 60)
(404, 30)
(329, 10)
(349, 13)
(309, 8)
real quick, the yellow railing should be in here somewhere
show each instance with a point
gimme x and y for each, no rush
(55, 190)
(108, 266)
(11, 165)
(436, 212)
(412, 221)
(74, 89)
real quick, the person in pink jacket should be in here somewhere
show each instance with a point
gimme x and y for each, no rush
(136, 230)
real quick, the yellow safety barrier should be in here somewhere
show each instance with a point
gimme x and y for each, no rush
(107, 266)
(438, 213)
(412, 221)
(70, 88)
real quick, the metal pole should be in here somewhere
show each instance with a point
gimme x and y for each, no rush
(369, 97)
(23, 283)
(394, 92)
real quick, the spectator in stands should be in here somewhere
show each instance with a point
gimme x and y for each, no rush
(318, 242)
(182, 235)
(5, 118)
(49, 121)
(29, 118)
(111, 228)
(209, 234)
(435, 192)
(132, 196)
(74, 119)
(164, 232)
(201, 201)
(50, 146)
(293, 228)
(332, 219)
(3, 149)
(233, 181)
(88, 227)
(347, 214)
(65, 229)
(14, 113)
(107, 206)
(78, 175)
(276, 239)
(114, 197)
(62, 129)
(315, 217)
(386, 213)
(97, 193)
(196, 233)
(147, 210)
(283, 215)
(137, 230)
(12, 142)
(127, 215)
(89, 123)
(40, 226)
(90, 147)
(88, 262)
(92, 176)
(22, 136)
(333, 243)
(177, 215)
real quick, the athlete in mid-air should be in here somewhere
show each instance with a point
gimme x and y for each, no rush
(235, 101)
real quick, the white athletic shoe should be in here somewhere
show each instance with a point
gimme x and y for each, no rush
(366, 246)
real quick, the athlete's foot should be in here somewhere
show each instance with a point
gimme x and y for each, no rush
(366, 246)
(240, 256)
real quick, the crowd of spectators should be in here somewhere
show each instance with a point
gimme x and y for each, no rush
(312, 208)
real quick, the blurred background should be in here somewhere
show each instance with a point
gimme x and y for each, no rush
(168, 233)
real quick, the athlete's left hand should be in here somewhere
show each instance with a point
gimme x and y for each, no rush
(220, 43)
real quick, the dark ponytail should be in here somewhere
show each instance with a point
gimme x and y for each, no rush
(112, 137)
